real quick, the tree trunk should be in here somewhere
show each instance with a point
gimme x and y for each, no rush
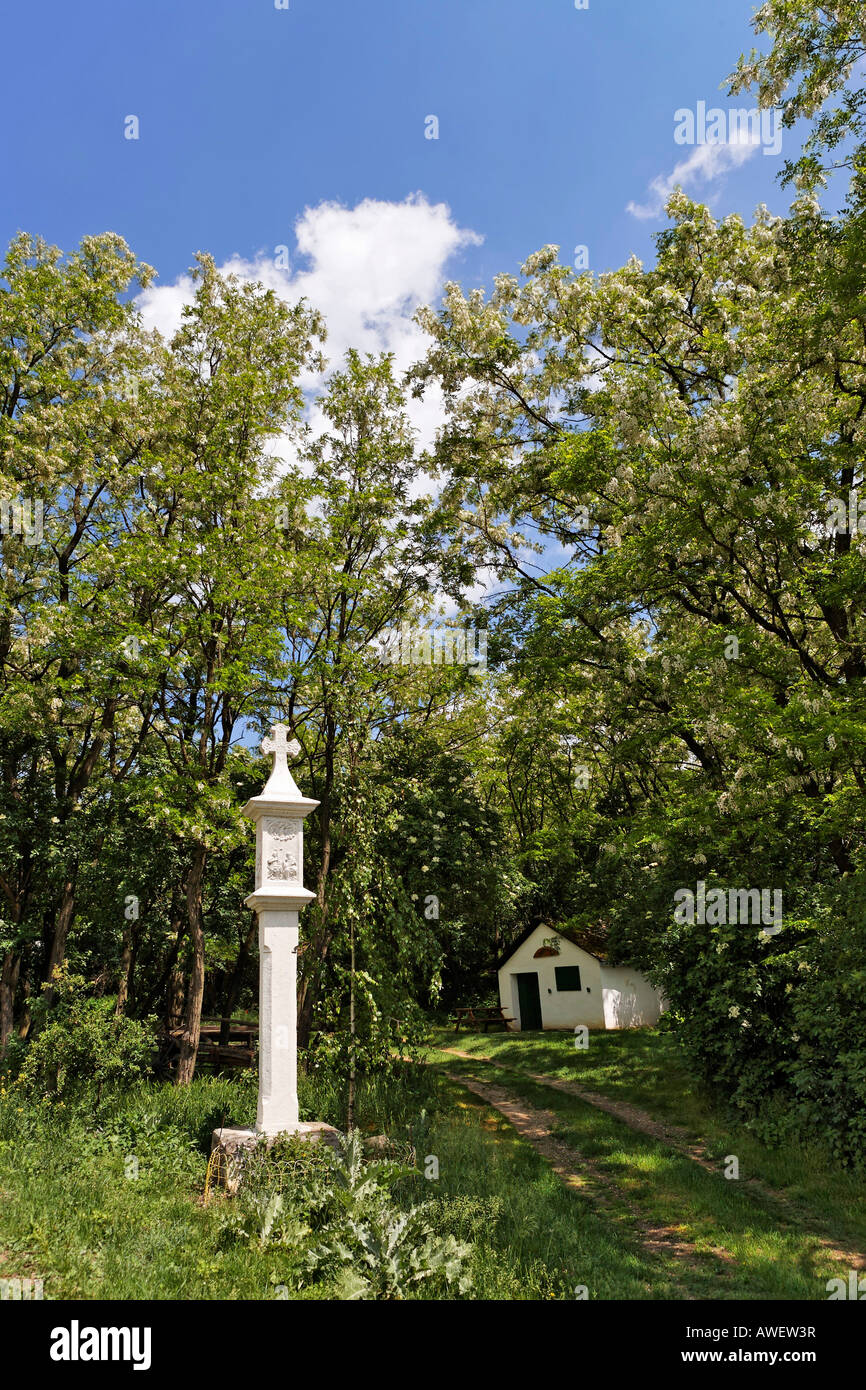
(125, 972)
(25, 1017)
(57, 950)
(8, 985)
(176, 997)
(305, 1011)
(166, 987)
(314, 957)
(195, 993)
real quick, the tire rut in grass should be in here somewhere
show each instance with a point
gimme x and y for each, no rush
(678, 1139)
(681, 1142)
(535, 1126)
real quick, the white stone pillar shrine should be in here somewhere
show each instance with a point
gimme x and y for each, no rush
(279, 896)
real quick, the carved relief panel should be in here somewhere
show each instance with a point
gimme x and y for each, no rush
(280, 853)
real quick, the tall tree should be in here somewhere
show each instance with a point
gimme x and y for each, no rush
(366, 555)
(73, 432)
(231, 378)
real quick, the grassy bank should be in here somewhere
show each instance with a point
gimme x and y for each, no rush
(107, 1201)
(643, 1068)
(789, 1222)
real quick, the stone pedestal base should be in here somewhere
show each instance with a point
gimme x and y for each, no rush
(228, 1147)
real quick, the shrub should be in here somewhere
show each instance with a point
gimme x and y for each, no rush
(775, 1028)
(373, 1249)
(84, 1042)
(469, 1218)
(366, 1245)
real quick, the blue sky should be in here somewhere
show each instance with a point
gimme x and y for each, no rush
(551, 119)
(304, 128)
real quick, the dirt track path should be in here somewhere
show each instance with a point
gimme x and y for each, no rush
(635, 1118)
(681, 1142)
(575, 1170)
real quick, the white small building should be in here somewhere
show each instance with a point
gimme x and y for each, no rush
(546, 980)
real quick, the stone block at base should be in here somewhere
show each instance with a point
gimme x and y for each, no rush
(228, 1147)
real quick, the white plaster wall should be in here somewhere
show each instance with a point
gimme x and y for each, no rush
(564, 1009)
(630, 1001)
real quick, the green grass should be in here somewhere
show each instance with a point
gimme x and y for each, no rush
(777, 1250)
(644, 1068)
(72, 1214)
(539, 1240)
(106, 1201)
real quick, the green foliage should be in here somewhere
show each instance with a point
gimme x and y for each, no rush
(265, 1220)
(85, 1043)
(147, 1144)
(698, 654)
(384, 1253)
(467, 1218)
(334, 1216)
(77, 1214)
(815, 52)
(676, 686)
(376, 1250)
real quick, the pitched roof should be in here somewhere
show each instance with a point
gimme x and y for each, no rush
(553, 931)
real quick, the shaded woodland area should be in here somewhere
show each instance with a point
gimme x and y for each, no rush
(658, 467)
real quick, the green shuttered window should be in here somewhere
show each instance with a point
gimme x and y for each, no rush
(567, 977)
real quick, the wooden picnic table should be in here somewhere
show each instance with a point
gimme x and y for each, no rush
(487, 1016)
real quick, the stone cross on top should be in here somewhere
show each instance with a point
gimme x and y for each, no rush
(281, 784)
(279, 743)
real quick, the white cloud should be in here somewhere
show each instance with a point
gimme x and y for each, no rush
(705, 163)
(366, 269)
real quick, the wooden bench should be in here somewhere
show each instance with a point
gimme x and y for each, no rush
(227, 1044)
(481, 1016)
(235, 1032)
(212, 1054)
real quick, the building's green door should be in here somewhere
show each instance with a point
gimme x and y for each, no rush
(529, 1000)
